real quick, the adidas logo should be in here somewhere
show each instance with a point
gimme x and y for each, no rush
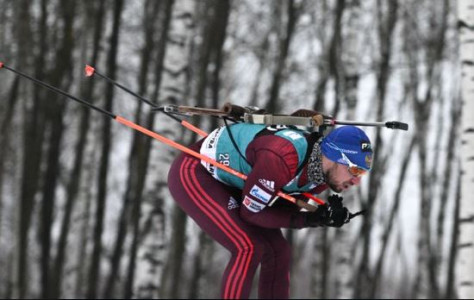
(270, 185)
(232, 204)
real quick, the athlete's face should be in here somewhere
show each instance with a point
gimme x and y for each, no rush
(339, 178)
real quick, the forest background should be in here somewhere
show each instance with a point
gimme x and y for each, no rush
(84, 206)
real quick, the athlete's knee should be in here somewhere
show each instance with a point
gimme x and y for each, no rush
(254, 248)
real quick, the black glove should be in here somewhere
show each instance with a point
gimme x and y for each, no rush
(335, 201)
(316, 218)
(333, 215)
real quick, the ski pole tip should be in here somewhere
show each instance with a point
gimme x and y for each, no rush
(89, 70)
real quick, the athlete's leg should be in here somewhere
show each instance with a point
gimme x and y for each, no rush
(208, 202)
(274, 282)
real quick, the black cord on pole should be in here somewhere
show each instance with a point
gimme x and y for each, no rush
(126, 89)
(153, 105)
(54, 89)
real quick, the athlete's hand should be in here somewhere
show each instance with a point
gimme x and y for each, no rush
(333, 214)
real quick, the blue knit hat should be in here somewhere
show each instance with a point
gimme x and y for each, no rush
(353, 142)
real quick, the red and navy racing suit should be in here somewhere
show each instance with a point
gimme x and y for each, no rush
(238, 220)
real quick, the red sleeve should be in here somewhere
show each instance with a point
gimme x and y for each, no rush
(275, 161)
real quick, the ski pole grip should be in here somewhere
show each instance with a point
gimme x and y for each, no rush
(397, 125)
(234, 111)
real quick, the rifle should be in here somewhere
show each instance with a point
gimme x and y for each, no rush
(253, 115)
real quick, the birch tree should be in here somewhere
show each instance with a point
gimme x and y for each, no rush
(60, 76)
(31, 147)
(218, 23)
(94, 271)
(176, 87)
(135, 182)
(465, 261)
(387, 19)
(95, 16)
(293, 11)
(144, 158)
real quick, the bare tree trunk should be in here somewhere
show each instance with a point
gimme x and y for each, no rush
(465, 259)
(427, 272)
(325, 66)
(73, 185)
(6, 289)
(86, 217)
(436, 53)
(262, 53)
(173, 268)
(151, 9)
(351, 59)
(94, 272)
(446, 187)
(451, 168)
(172, 271)
(334, 55)
(378, 275)
(293, 11)
(144, 149)
(198, 269)
(32, 143)
(386, 27)
(4, 20)
(205, 52)
(221, 19)
(211, 53)
(153, 240)
(322, 249)
(63, 70)
(4, 138)
(150, 253)
(451, 292)
(323, 62)
(344, 58)
(177, 87)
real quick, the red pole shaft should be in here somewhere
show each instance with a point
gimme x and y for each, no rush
(204, 158)
(193, 128)
(153, 134)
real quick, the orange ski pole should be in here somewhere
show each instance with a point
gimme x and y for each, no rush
(154, 135)
(91, 71)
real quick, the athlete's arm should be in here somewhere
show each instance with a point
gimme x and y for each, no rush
(274, 163)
